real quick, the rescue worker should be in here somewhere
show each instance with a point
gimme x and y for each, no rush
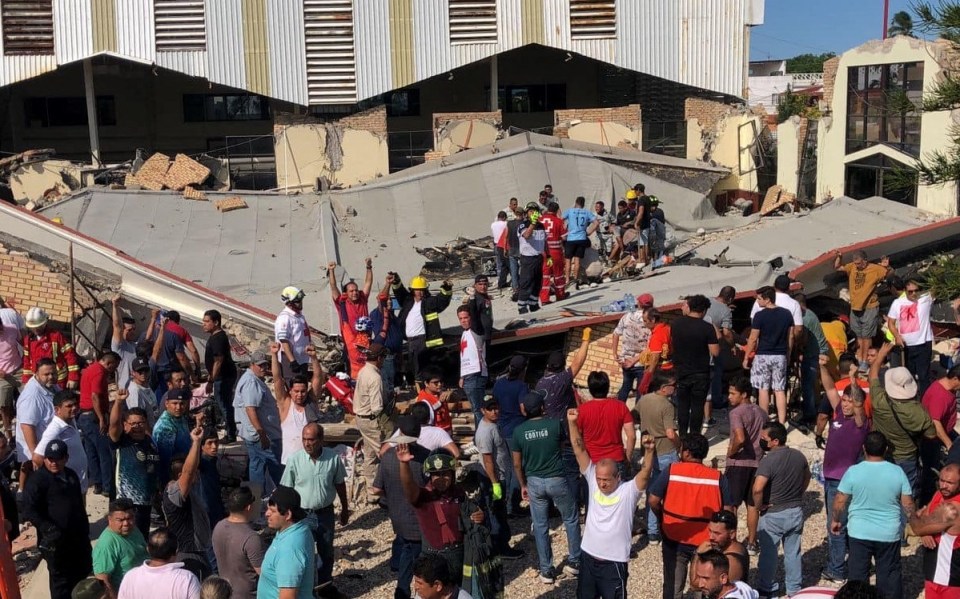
(420, 318)
(684, 497)
(292, 332)
(352, 305)
(553, 265)
(533, 252)
(43, 342)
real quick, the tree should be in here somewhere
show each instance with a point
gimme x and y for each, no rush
(790, 104)
(808, 63)
(901, 24)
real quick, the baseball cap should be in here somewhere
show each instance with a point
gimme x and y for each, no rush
(900, 384)
(140, 364)
(645, 300)
(490, 403)
(89, 588)
(481, 279)
(518, 362)
(534, 400)
(409, 430)
(56, 450)
(286, 499)
(178, 395)
(556, 361)
(259, 357)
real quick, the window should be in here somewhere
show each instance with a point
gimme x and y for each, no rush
(592, 19)
(331, 62)
(203, 108)
(67, 112)
(405, 102)
(180, 25)
(881, 106)
(530, 98)
(473, 21)
(27, 26)
(878, 175)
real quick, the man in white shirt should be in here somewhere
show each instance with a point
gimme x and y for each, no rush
(124, 342)
(499, 230)
(292, 332)
(139, 393)
(427, 437)
(909, 321)
(63, 427)
(473, 363)
(35, 411)
(782, 287)
(607, 536)
(12, 330)
(160, 577)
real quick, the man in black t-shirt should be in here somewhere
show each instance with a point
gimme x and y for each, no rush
(221, 370)
(642, 222)
(693, 341)
(136, 458)
(773, 344)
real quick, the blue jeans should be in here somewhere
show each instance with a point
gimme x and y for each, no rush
(809, 373)
(912, 469)
(404, 552)
(323, 537)
(514, 264)
(785, 526)
(571, 472)
(263, 461)
(631, 377)
(653, 525)
(475, 385)
(718, 397)
(512, 488)
(541, 491)
(836, 544)
(388, 373)
(503, 269)
(97, 447)
(223, 396)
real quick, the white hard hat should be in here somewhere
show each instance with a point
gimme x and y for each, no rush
(36, 318)
(292, 294)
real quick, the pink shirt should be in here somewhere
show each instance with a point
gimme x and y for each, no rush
(11, 358)
(941, 404)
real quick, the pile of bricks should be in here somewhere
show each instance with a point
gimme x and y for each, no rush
(192, 193)
(231, 203)
(158, 173)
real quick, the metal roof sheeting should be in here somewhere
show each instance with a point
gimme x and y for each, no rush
(701, 43)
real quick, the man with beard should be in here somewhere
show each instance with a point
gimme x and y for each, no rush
(296, 400)
(938, 525)
(713, 578)
(722, 532)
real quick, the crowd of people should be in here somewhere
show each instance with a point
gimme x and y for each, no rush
(122, 427)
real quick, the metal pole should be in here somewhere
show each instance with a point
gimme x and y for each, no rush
(73, 321)
(92, 124)
(886, 17)
(494, 84)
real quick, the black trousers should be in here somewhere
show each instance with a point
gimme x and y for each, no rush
(676, 562)
(691, 397)
(601, 578)
(72, 564)
(531, 280)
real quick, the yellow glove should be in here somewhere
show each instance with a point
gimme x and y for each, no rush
(497, 491)
(586, 333)
(549, 262)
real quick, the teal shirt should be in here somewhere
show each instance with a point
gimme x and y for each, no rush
(289, 564)
(172, 436)
(315, 480)
(115, 554)
(874, 506)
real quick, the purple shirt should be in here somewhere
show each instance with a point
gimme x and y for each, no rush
(843, 445)
(559, 389)
(751, 418)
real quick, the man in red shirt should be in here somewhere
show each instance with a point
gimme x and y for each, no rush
(938, 526)
(940, 402)
(553, 271)
(173, 326)
(351, 305)
(606, 424)
(43, 342)
(94, 420)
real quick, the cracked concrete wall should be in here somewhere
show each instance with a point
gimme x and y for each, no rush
(721, 134)
(457, 131)
(617, 127)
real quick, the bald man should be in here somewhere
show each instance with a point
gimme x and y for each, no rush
(605, 548)
(938, 526)
(318, 475)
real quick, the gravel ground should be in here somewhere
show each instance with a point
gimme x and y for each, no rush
(363, 550)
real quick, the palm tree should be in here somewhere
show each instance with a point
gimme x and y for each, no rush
(901, 24)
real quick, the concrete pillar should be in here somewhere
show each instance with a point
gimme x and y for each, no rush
(494, 84)
(91, 112)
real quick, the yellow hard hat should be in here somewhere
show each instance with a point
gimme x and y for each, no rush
(631, 194)
(419, 283)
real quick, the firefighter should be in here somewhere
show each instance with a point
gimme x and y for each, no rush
(40, 342)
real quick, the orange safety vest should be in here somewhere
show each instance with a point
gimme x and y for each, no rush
(693, 495)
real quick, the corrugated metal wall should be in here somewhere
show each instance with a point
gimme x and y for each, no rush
(696, 42)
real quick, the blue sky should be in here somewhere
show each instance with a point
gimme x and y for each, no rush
(818, 26)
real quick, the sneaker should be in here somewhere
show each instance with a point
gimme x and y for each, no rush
(548, 577)
(534, 307)
(511, 554)
(830, 578)
(470, 449)
(653, 539)
(522, 310)
(753, 548)
(571, 569)
(514, 296)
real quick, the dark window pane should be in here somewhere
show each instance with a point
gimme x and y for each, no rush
(915, 76)
(557, 96)
(35, 112)
(106, 111)
(193, 108)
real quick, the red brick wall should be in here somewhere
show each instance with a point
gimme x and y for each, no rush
(707, 112)
(494, 118)
(373, 120)
(28, 283)
(599, 354)
(628, 116)
(829, 78)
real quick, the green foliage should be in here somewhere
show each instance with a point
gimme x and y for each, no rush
(943, 276)
(901, 24)
(808, 63)
(790, 104)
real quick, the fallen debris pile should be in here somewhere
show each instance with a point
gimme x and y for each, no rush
(158, 172)
(459, 259)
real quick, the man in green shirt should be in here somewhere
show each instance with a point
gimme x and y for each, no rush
(318, 475)
(539, 467)
(120, 548)
(899, 415)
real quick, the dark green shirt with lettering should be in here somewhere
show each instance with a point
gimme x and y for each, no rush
(539, 442)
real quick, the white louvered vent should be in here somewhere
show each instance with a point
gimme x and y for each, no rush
(590, 19)
(180, 25)
(473, 21)
(331, 62)
(27, 26)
